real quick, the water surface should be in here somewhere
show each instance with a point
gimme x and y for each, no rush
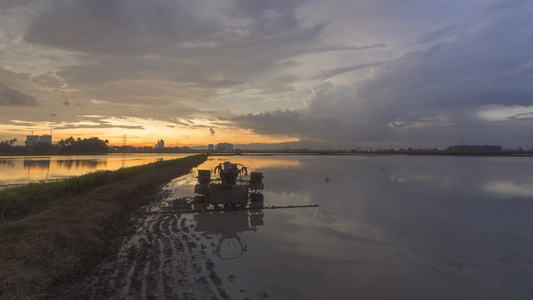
(23, 169)
(388, 227)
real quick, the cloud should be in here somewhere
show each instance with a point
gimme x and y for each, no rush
(131, 51)
(336, 73)
(509, 189)
(179, 46)
(324, 49)
(119, 28)
(11, 97)
(502, 6)
(439, 34)
(333, 115)
(9, 4)
(48, 81)
(325, 75)
(424, 96)
(100, 124)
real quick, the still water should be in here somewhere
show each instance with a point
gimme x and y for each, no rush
(388, 227)
(23, 169)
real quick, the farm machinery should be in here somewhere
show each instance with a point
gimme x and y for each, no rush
(227, 187)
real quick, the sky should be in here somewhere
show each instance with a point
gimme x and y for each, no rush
(335, 74)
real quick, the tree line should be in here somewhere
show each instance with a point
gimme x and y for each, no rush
(68, 146)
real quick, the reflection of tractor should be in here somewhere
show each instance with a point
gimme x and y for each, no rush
(226, 227)
(227, 188)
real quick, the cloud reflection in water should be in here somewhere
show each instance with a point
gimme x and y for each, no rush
(441, 230)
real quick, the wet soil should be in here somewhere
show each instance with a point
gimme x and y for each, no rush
(164, 258)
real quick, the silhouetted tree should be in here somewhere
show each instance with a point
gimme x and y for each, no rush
(7, 145)
(44, 148)
(90, 145)
(67, 142)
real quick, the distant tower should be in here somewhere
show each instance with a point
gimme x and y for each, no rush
(31, 140)
(160, 144)
(124, 139)
(45, 139)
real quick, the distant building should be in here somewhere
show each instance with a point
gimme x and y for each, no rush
(47, 139)
(224, 147)
(32, 140)
(126, 149)
(475, 148)
(160, 144)
(210, 147)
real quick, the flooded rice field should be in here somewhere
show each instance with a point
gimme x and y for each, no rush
(387, 227)
(23, 169)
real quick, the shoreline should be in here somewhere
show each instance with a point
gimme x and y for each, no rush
(44, 253)
(332, 152)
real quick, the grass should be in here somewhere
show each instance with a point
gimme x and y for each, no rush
(56, 233)
(20, 201)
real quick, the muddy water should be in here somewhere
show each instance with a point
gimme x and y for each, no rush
(388, 227)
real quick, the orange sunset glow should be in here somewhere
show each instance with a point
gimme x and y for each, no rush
(142, 132)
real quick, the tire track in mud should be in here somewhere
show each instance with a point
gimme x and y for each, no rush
(162, 259)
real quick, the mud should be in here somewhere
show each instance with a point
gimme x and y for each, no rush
(163, 259)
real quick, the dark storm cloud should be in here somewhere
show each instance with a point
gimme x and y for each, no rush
(277, 122)
(134, 28)
(333, 115)
(248, 43)
(11, 78)
(118, 28)
(431, 92)
(489, 66)
(11, 97)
